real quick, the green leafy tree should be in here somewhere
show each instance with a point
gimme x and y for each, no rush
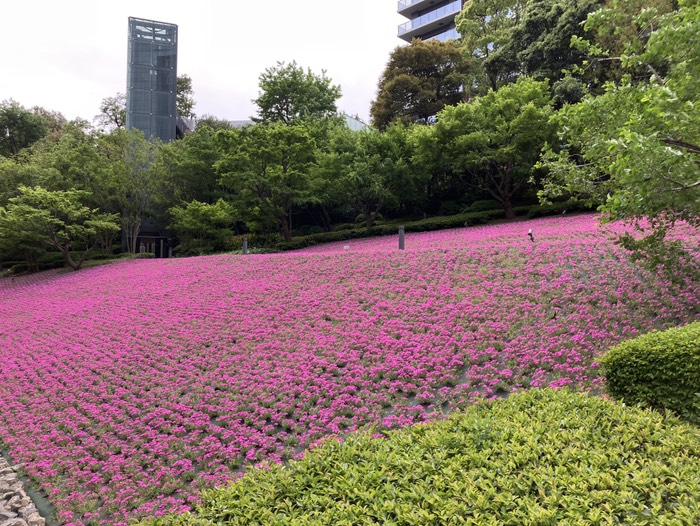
(636, 148)
(486, 28)
(287, 93)
(419, 81)
(614, 35)
(541, 42)
(213, 122)
(202, 227)
(19, 127)
(58, 219)
(184, 100)
(112, 112)
(370, 171)
(496, 139)
(188, 168)
(15, 173)
(20, 239)
(268, 167)
(136, 177)
(442, 181)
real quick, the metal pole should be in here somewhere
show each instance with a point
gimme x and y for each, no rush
(402, 236)
(245, 245)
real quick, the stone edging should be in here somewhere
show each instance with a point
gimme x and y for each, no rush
(16, 508)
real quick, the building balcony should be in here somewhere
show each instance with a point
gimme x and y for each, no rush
(430, 21)
(406, 7)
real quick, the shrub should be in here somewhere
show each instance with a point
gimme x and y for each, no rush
(448, 208)
(557, 208)
(484, 205)
(538, 457)
(659, 370)
(255, 241)
(306, 230)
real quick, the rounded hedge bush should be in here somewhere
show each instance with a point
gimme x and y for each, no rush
(538, 457)
(659, 370)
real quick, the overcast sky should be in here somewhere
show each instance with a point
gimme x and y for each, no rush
(68, 55)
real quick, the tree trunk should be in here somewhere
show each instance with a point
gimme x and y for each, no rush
(69, 260)
(508, 208)
(325, 219)
(369, 220)
(286, 232)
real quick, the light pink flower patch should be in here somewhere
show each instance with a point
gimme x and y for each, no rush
(127, 388)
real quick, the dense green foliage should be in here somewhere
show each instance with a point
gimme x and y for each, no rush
(495, 140)
(287, 92)
(20, 127)
(185, 97)
(201, 227)
(637, 146)
(659, 370)
(418, 82)
(267, 166)
(508, 39)
(539, 457)
(39, 217)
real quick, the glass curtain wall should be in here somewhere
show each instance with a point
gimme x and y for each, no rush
(152, 78)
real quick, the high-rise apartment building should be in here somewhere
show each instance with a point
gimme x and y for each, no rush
(152, 78)
(429, 19)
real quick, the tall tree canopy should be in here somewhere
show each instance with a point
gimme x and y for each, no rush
(511, 38)
(268, 168)
(419, 80)
(112, 112)
(58, 219)
(287, 92)
(636, 148)
(20, 127)
(184, 100)
(496, 139)
(541, 42)
(486, 28)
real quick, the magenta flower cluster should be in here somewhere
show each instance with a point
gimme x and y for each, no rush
(127, 388)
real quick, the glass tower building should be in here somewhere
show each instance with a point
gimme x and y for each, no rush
(152, 78)
(429, 19)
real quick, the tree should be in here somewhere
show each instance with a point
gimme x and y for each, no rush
(112, 112)
(486, 27)
(19, 127)
(541, 41)
(136, 176)
(189, 173)
(620, 29)
(185, 97)
(202, 227)
(287, 93)
(57, 219)
(366, 170)
(213, 122)
(496, 139)
(268, 167)
(419, 80)
(636, 147)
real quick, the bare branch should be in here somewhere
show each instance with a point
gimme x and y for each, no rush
(692, 148)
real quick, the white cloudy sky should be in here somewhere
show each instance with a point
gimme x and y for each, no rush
(68, 55)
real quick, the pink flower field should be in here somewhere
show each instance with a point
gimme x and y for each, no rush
(127, 388)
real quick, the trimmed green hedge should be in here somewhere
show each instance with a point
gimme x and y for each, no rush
(538, 457)
(659, 370)
(387, 229)
(558, 208)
